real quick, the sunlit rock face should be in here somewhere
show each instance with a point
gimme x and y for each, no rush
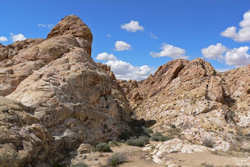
(192, 101)
(56, 97)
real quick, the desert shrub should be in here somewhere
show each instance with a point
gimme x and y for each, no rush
(114, 143)
(147, 131)
(58, 165)
(159, 137)
(116, 159)
(79, 165)
(103, 147)
(206, 165)
(208, 142)
(125, 135)
(140, 141)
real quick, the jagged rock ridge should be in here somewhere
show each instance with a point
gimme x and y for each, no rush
(192, 101)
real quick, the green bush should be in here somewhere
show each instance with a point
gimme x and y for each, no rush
(116, 159)
(140, 142)
(79, 165)
(103, 147)
(125, 135)
(147, 131)
(159, 137)
(114, 143)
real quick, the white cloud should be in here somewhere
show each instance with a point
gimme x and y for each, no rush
(3, 39)
(121, 46)
(49, 26)
(106, 57)
(238, 56)
(132, 26)
(17, 37)
(233, 57)
(124, 70)
(243, 35)
(214, 52)
(222, 69)
(168, 50)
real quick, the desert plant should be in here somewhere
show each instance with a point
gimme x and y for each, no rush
(114, 143)
(116, 159)
(208, 142)
(206, 165)
(147, 131)
(140, 142)
(103, 147)
(159, 137)
(79, 165)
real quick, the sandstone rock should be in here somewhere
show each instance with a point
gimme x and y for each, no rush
(64, 97)
(194, 99)
(173, 146)
(22, 138)
(84, 148)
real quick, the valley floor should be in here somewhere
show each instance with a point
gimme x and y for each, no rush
(137, 157)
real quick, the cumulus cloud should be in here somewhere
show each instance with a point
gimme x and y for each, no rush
(124, 70)
(106, 57)
(214, 52)
(17, 37)
(243, 34)
(122, 46)
(49, 26)
(238, 56)
(132, 26)
(234, 57)
(168, 50)
(3, 39)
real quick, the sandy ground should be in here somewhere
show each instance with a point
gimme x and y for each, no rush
(138, 158)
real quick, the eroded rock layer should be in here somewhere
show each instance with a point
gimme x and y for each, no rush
(56, 97)
(189, 99)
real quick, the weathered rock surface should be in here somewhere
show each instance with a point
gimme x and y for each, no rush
(190, 100)
(64, 97)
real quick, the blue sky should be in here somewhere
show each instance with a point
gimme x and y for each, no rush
(163, 30)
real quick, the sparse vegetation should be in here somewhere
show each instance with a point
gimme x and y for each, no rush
(58, 165)
(208, 142)
(114, 143)
(140, 141)
(206, 165)
(159, 137)
(116, 159)
(79, 165)
(103, 147)
(147, 131)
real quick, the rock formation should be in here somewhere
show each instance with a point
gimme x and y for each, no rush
(55, 97)
(192, 101)
(55, 100)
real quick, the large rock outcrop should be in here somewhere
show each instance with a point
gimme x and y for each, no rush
(56, 97)
(190, 100)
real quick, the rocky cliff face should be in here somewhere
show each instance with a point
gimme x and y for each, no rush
(191, 101)
(55, 97)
